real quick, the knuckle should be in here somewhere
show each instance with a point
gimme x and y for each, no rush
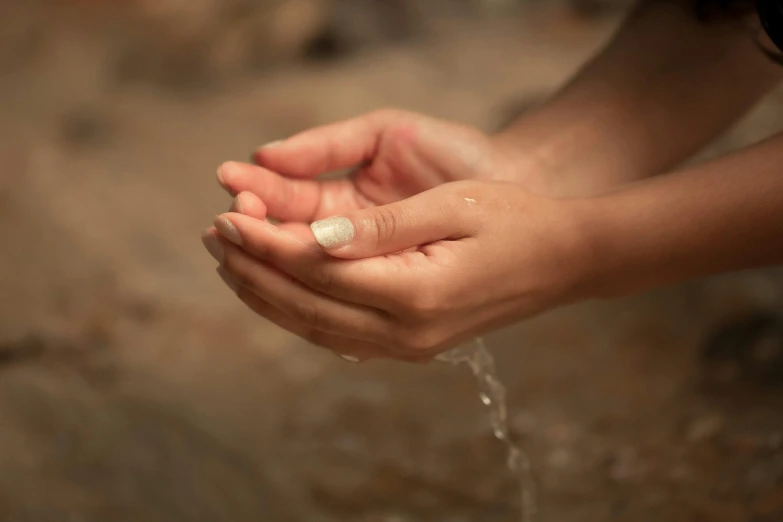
(385, 224)
(320, 279)
(309, 314)
(258, 248)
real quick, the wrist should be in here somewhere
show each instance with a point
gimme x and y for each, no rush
(523, 164)
(585, 273)
(614, 256)
(625, 248)
(555, 156)
(572, 250)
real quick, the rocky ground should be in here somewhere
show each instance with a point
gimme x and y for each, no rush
(134, 387)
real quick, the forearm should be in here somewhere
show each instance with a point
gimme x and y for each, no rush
(664, 87)
(721, 216)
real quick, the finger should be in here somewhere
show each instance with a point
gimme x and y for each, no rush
(286, 199)
(379, 282)
(289, 199)
(437, 214)
(248, 204)
(329, 147)
(318, 311)
(349, 349)
(209, 238)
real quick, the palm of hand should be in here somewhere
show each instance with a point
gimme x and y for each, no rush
(412, 159)
(398, 155)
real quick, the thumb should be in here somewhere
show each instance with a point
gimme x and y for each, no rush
(427, 217)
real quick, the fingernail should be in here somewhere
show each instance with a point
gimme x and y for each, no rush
(215, 249)
(350, 358)
(221, 172)
(333, 232)
(228, 230)
(226, 277)
(224, 172)
(272, 144)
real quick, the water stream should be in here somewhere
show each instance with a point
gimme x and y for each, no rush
(493, 395)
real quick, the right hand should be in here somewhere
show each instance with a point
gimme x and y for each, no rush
(412, 278)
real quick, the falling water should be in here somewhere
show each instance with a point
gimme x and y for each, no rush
(493, 394)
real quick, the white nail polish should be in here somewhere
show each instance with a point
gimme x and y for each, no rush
(350, 358)
(333, 232)
(228, 230)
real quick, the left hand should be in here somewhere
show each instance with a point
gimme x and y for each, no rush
(394, 155)
(412, 278)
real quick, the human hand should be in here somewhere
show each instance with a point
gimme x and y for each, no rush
(396, 155)
(412, 278)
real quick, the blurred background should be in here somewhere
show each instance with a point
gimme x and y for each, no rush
(133, 385)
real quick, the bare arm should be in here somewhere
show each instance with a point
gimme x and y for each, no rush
(662, 89)
(717, 217)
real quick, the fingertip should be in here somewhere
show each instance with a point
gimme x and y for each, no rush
(209, 231)
(226, 227)
(235, 218)
(249, 204)
(334, 233)
(260, 153)
(226, 174)
(211, 241)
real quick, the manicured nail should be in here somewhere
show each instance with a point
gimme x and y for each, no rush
(215, 249)
(226, 277)
(333, 232)
(228, 230)
(350, 358)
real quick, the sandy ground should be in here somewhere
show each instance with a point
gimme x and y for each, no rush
(133, 386)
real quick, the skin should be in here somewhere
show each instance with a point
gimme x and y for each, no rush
(456, 232)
